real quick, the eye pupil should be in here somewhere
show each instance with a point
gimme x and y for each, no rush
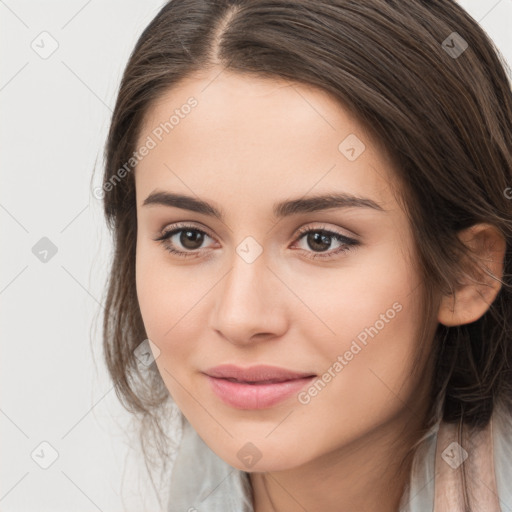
(190, 237)
(319, 238)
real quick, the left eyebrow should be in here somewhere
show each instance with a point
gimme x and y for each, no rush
(280, 210)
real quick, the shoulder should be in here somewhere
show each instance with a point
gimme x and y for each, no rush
(485, 457)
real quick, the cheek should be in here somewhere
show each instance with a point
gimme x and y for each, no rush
(373, 311)
(172, 302)
(156, 295)
(375, 376)
(366, 380)
(149, 297)
(165, 318)
(374, 290)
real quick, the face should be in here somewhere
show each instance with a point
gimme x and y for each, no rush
(324, 292)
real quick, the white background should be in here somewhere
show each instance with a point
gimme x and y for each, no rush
(54, 119)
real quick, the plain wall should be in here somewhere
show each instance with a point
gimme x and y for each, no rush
(55, 113)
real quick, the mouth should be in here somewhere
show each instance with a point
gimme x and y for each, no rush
(258, 387)
(258, 382)
(256, 374)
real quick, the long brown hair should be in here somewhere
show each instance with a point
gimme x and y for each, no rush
(441, 111)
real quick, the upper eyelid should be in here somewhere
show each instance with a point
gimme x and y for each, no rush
(177, 227)
(327, 229)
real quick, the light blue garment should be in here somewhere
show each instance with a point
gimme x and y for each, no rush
(202, 482)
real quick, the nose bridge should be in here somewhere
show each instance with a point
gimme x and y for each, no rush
(244, 289)
(246, 304)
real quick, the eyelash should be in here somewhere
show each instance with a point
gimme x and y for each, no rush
(349, 243)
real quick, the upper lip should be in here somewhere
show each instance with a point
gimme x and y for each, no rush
(257, 373)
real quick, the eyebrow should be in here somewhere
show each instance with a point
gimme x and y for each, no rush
(280, 210)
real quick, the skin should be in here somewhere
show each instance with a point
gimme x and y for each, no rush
(250, 143)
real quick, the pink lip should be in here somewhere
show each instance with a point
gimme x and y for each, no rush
(257, 387)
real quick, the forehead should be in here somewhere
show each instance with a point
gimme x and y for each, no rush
(250, 103)
(248, 137)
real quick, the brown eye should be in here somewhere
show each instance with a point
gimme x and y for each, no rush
(191, 239)
(320, 240)
(188, 238)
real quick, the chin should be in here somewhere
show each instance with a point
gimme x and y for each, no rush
(254, 457)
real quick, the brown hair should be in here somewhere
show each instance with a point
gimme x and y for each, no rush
(444, 119)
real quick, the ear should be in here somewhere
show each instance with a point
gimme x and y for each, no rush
(474, 296)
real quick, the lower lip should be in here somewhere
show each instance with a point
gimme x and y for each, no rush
(255, 396)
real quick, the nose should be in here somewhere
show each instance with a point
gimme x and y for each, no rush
(250, 303)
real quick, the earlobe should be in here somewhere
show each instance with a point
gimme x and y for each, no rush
(473, 297)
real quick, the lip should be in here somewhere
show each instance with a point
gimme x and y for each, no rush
(256, 387)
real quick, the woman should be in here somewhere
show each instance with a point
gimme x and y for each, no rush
(313, 227)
